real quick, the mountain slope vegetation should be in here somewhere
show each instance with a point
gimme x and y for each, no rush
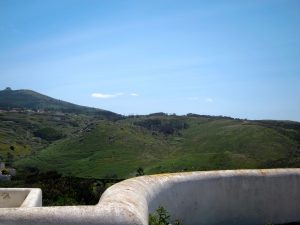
(92, 145)
(117, 149)
(28, 99)
(22, 133)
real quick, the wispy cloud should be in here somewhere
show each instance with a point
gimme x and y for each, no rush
(208, 99)
(104, 96)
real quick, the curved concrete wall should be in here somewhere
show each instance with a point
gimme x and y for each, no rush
(215, 197)
(238, 197)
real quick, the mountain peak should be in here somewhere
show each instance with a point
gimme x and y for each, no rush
(28, 99)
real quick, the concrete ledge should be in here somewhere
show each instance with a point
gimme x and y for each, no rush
(233, 197)
(20, 197)
(33, 199)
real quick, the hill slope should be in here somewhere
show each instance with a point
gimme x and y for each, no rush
(23, 133)
(27, 99)
(169, 144)
(87, 142)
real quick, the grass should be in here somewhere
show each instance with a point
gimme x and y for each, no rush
(117, 149)
(97, 143)
(18, 130)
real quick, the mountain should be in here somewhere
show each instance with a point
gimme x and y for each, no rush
(27, 99)
(98, 144)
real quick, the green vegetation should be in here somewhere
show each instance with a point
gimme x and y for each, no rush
(90, 145)
(4, 172)
(161, 217)
(76, 152)
(48, 133)
(167, 127)
(61, 190)
(106, 149)
(118, 148)
(23, 134)
(140, 172)
(30, 100)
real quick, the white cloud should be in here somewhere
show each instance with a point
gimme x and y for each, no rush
(104, 96)
(209, 100)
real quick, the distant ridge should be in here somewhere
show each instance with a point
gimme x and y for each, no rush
(31, 100)
(93, 144)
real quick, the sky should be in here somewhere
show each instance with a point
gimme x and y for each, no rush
(217, 57)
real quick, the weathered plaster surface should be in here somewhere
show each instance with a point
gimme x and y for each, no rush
(20, 197)
(236, 197)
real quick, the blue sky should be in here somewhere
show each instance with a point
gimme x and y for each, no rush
(233, 58)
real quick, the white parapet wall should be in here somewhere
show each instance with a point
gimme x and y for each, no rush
(232, 197)
(20, 197)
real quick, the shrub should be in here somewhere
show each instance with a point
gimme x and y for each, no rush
(140, 172)
(48, 133)
(4, 172)
(161, 217)
(167, 127)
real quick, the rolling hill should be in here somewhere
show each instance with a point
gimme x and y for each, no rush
(28, 99)
(91, 146)
(117, 149)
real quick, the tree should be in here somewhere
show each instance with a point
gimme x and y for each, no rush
(8, 89)
(48, 133)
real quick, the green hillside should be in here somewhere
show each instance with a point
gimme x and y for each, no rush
(162, 143)
(91, 143)
(23, 134)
